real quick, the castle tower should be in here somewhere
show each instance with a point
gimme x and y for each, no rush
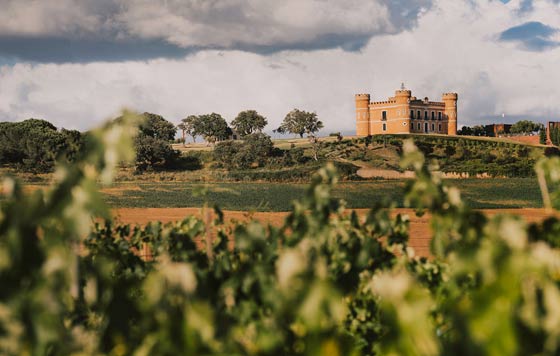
(450, 100)
(362, 114)
(402, 98)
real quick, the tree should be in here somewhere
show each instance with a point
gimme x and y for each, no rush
(248, 122)
(34, 145)
(260, 145)
(542, 136)
(555, 135)
(191, 125)
(157, 127)
(152, 153)
(525, 126)
(300, 122)
(213, 127)
(152, 143)
(478, 130)
(465, 131)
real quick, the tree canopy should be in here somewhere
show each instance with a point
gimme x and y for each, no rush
(213, 127)
(152, 143)
(300, 122)
(191, 125)
(525, 126)
(248, 122)
(157, 127)
(34, 145)
(477, 130)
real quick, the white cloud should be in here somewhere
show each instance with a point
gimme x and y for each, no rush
(454, 48)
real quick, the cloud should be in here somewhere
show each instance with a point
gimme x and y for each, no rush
(73, 30)
(533, 36)
(453, 47)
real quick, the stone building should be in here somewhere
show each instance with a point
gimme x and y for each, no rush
(404, 114)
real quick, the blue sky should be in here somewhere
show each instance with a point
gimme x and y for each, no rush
(78, 62)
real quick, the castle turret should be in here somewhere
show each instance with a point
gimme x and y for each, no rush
(450, 100)
(362, 114)
(402, 97)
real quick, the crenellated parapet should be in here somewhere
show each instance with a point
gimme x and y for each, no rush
(384, 102)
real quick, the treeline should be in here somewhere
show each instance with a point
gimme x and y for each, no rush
(520, 127)
(35, 145)
(244, 145)
(213, 127)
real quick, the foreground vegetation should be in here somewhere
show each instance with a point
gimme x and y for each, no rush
(325, 283)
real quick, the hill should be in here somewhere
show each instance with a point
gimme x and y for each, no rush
(378, 157)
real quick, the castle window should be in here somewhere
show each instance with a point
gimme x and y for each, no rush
(439, 115)
(384, 127)
(384, 116)
(412, 114)
(433, 127)
(439, 127)
(418, 126)
(419, 116)
(425, 115)
(433, 115)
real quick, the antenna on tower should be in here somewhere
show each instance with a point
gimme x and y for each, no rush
(402, 86)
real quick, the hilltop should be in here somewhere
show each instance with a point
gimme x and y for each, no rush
(378, 157)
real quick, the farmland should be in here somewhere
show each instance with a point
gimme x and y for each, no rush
(479, 193)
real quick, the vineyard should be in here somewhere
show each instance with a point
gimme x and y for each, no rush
(325, 282)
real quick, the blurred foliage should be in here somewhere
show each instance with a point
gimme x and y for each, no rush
(324, 283)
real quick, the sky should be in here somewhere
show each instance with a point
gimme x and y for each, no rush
(77, 63)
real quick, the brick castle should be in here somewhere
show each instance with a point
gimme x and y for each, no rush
(404, 113)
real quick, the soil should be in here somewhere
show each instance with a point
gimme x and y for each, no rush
(420, 231)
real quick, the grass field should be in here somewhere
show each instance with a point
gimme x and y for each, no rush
(479, 193)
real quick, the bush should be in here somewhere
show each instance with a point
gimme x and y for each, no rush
(153, 153)
(254, 151)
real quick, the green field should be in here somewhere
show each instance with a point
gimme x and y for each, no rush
(479, 193)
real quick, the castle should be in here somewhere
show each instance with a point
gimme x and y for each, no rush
(404, 114)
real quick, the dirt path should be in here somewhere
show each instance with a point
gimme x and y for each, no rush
(420, 231)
